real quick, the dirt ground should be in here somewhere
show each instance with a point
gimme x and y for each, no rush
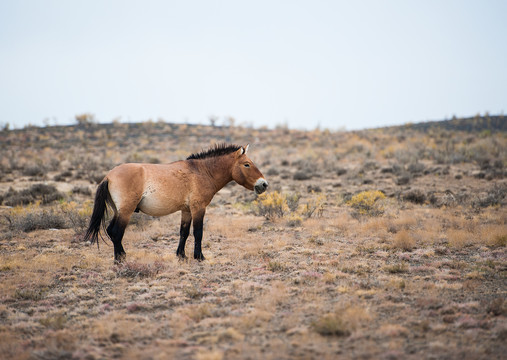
(375, 244)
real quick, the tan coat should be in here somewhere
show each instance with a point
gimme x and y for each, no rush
(161, 189)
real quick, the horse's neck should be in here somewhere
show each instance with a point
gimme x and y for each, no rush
(219, 170)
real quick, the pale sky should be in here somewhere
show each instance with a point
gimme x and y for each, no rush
(333, 64)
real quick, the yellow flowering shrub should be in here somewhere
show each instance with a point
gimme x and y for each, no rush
(276, 205)
(271, 205)
(368, 202)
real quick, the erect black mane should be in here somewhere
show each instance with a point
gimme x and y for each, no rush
(217, 150)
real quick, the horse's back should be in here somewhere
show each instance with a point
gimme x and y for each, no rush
(155, 189)
(139, 173)
(130, 171)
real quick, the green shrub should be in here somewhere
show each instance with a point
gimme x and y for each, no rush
(38, 220)
(38, 192)
(33, 170)
(78, 217)
(315, 205)
(292, 201)
(30, 294)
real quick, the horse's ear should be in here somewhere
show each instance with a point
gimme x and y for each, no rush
(242, 150)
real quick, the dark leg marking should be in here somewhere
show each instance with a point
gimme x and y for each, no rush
(186, 220)
(198, 225)
(115, 230)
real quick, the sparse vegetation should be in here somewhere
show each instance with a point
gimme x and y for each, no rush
(36, 218)
(331, 324)
(403, 240)
(396, 268)
(77, 215)
(314, 206)
(38, 192)
(342, 322)
(377, 243)
(276, 205)
(368, 202)
(271, 205)
(134, 269)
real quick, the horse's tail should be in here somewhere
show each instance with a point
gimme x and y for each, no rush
(98, 219)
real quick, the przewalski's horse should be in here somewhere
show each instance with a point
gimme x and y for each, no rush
(162, 189)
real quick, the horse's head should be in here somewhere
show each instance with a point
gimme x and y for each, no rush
(245, 173)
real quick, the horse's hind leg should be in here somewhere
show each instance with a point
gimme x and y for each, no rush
(115, 230)
(186, 220)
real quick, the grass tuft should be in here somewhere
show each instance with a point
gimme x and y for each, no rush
(396, 268)
(276, 266)
(34, 294)
(54, 321)
(133, 269)
(404, 241)
(331, 325)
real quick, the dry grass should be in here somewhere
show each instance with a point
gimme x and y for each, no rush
(404, 240)
(406, 221)
(494, 235)
(341, 322)
(459, 238)
(333, 283)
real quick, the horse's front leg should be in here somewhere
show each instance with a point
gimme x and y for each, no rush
(198, 219)
(186, 220)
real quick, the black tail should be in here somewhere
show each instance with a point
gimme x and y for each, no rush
(99, 214)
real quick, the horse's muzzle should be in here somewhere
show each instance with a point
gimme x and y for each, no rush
(260, 186)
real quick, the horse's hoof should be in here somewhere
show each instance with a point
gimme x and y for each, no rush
(181, 255)
(199, 257)
(119, 258)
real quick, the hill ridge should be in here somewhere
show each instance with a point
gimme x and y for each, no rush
(493, 123)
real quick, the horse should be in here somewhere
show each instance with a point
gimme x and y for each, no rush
(162, 189)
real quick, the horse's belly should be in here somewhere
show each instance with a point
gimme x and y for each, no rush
(158, 207)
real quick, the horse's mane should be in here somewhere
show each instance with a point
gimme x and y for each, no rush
(217, 150)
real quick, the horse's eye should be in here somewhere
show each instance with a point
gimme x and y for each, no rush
(247, 165)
